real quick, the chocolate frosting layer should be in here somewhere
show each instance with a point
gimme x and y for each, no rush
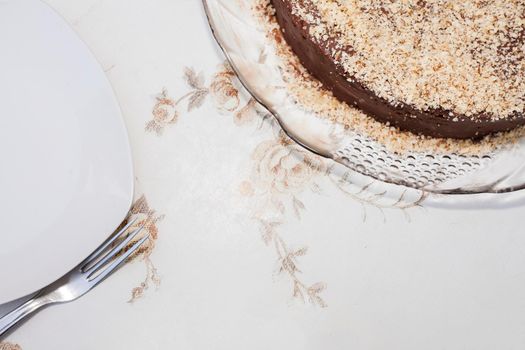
(435, 123)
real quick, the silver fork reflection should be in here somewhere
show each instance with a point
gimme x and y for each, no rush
(81, 279)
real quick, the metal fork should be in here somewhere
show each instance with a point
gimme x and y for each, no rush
(81, 279)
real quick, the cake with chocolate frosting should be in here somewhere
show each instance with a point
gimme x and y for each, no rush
(441, 68)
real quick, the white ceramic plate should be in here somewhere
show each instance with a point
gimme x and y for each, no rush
(66, 175)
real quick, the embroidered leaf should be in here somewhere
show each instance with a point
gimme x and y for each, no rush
(300, 252)
(297, 206)
(288, 265)
(197, 99)
(153, 126)
(268, 231)
(316, 288)
(194, 80)
(319, 301)
(297, 292)
(316, 188)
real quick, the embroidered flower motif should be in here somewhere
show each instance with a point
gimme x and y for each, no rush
(284, 168)
(224, 92)
(145, 217)
(164, 113)
(9, 346)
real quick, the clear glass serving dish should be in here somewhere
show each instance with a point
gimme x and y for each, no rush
(256, 61)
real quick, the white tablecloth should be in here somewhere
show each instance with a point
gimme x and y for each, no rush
(258, 244)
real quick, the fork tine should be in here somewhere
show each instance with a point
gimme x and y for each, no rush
(109, 255)
(106, 244)
(115, 264)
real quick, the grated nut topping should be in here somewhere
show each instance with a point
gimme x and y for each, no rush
(464, 56)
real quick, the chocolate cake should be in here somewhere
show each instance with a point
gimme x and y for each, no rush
(441, 68)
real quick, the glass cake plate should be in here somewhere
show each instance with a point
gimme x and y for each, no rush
(255, 60)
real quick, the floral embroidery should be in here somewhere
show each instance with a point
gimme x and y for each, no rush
(282, 171)
(285, 168)
(164, 113)
(288, 263)
(145, 216)
(9, 346)
(225, 95)
(227, 98)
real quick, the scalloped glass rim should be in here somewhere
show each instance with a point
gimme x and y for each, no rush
(235, 30)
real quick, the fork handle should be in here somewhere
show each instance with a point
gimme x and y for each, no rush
(12, 318)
